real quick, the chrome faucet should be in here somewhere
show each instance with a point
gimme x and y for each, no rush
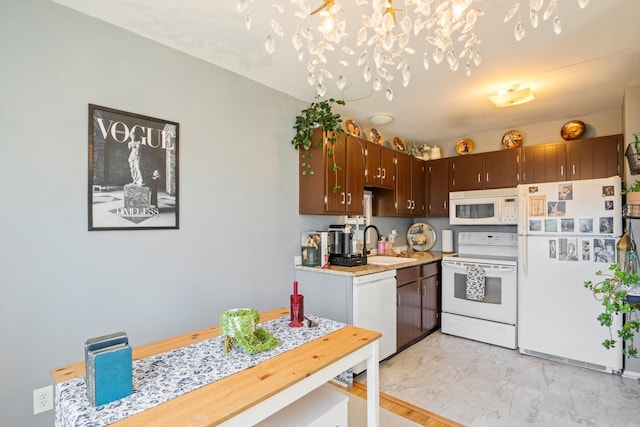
(364, 246)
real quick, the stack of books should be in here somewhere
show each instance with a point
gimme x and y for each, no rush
(108, 368)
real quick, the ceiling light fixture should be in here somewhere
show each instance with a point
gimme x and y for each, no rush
(389, 35)
(513, 96)
(380, 119)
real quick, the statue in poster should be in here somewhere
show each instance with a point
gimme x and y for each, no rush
(134, 160)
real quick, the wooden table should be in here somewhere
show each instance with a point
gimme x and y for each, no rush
(253, 394)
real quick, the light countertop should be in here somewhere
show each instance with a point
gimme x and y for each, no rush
(361, 270)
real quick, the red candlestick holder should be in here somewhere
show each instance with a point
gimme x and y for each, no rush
(297, 311)
(296, 302)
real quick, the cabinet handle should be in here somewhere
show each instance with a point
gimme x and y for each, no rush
(418, 289)
(398, 300)
(348, 198)
(444, 204)
(561, 170)
(478, 177)
(342, 198)
(424, 290)
(384, 173)
(573, 170)
(379, 173)
(487, 176)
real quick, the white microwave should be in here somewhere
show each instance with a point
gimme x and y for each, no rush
(484, 207)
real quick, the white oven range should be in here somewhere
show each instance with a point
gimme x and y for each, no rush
(479, 288)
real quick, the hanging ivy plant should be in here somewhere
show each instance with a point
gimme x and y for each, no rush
(318, 115)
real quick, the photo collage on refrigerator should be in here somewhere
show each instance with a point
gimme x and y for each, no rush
(554, 215)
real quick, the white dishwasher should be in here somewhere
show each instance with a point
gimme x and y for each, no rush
(374, 308)
(367, 301)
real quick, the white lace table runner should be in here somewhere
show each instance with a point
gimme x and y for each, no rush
(166, 376)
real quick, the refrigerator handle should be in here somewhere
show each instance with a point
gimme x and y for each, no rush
(523, 209)
(525, 254)
(523, 228)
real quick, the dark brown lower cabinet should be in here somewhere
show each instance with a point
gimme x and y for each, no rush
(418, 301)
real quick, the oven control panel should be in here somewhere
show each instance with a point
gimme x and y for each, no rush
(488, 244)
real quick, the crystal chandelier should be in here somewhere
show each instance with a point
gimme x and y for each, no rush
(443, 29)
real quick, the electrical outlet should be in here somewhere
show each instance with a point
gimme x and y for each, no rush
(43, 399)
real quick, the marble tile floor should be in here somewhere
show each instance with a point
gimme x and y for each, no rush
(478, 385)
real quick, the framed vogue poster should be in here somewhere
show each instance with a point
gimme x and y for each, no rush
(133, 171)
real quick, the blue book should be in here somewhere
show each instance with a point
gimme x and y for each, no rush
(112, 377)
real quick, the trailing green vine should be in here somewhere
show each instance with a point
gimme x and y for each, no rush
(239, 326)
(318, 115)
(613, 291)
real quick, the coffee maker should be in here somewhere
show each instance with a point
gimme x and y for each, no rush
(343, 248)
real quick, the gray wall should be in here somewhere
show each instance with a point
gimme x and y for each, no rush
(239, 227)
(59, 283)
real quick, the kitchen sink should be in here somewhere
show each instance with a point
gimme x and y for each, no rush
(388, 260)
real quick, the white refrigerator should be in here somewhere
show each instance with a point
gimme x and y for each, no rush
(566, 232)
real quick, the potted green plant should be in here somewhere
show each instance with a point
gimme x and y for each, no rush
(633, 193)
(619, 292)
(238, 325)
(318, 115)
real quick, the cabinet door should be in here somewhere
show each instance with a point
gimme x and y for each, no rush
(387, 167)
(501, 168)
(595, 157)
(355, 176)
(312, 178)
(336, 178)
(418, 187)
(467, 172)
(345, 185)
(438, 187)
(409, 310)
(373, 171)
(543, 163)
(403, 184)
(430, 303)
